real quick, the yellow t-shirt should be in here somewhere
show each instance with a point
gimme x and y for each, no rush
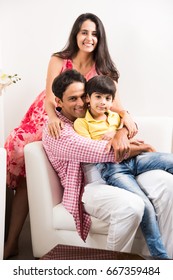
(95, 129)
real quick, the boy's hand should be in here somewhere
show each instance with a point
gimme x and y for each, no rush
(108, 135)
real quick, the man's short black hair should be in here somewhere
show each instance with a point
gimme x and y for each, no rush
(101, 84)
(66, 78)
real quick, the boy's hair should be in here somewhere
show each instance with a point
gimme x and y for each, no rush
(101, 84)
(66, 78)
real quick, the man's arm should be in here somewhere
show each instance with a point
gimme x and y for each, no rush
(72, 147)
(120, 144)
(119, 141)
(125, 148)
(140, 148)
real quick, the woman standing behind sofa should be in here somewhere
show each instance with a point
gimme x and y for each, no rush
(87, 52)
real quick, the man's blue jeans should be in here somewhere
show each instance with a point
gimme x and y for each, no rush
(123, 175)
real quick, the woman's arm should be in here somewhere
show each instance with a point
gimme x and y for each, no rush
(126, 119)
(54, 69)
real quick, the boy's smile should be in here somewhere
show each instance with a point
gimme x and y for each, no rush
(99, 104)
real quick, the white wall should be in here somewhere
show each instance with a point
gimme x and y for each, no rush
(140, 40)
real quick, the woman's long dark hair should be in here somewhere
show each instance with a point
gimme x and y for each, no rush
(103, 62)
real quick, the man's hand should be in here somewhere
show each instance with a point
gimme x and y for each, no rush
(136, 141)
(121, 145)
(137, 149)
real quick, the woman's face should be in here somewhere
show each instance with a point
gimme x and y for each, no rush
(87, 37)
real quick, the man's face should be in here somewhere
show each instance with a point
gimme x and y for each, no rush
(73, 103)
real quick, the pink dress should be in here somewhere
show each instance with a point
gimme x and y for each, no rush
(29, 130)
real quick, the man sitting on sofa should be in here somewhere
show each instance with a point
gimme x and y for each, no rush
(121, 209)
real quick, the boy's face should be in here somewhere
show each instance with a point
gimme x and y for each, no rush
(73, 103)
(99, 103)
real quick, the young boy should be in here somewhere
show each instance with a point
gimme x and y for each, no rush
(100, 123)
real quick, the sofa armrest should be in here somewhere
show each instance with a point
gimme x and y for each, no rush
(44, 192)
(41, 176)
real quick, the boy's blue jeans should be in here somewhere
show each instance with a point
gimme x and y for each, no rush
(123, 175)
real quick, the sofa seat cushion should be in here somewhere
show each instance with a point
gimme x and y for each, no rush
(63, 220)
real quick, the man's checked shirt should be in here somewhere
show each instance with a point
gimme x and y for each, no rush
(66, 155)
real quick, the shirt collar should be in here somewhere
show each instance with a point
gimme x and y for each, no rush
(63, 118)
(88, 116)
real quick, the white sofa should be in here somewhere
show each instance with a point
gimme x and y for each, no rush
(51, 224)
(2, 198)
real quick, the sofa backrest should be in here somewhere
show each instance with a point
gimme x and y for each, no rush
(156, 131)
